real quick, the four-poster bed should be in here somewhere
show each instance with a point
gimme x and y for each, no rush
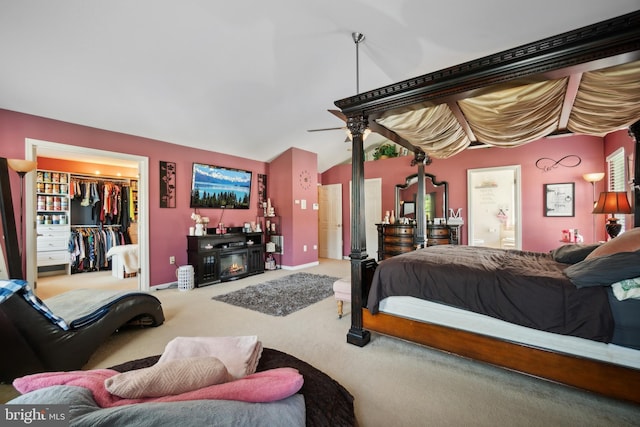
(555, 86)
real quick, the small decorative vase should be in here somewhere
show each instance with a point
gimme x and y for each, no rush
(392, 218)
(199, 230)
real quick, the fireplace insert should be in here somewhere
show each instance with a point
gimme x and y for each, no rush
(221, 257)
(233, 263)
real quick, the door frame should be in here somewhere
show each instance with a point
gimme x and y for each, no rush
(31, 153)
(336, 199)
(473, 194)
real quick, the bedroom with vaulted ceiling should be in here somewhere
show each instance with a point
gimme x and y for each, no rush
(484, 271)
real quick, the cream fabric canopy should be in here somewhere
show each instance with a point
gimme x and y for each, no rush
(606, 100)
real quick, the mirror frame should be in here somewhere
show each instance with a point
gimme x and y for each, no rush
(413, 179)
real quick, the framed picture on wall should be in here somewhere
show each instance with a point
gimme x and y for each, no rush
(559, 199)
(167, 184)
(262, 189)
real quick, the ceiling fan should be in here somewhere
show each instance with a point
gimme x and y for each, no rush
(357, 39)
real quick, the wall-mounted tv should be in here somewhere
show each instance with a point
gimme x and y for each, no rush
(220, 187)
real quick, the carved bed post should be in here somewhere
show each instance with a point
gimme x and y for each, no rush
(634, 131)
(421, 220)
(357, 335)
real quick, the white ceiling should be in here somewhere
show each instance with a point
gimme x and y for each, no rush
(248, 78)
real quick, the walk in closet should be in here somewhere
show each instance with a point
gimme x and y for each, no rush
(80, 217)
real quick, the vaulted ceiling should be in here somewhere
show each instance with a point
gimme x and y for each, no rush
(249, 78)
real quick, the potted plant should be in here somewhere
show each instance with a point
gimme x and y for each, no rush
(385, 151)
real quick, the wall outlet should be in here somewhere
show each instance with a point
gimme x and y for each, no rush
(172, 260)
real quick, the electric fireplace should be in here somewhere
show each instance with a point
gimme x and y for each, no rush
(233, 264)
(219, 257)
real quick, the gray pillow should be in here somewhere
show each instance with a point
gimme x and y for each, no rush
(570, 254)
(85, 412)
(604, 270)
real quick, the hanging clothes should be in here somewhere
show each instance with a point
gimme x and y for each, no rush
(88, 247)
(106, 201)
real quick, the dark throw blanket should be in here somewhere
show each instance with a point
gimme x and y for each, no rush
(525, 288)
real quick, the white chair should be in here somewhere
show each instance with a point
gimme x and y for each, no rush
(342, 293)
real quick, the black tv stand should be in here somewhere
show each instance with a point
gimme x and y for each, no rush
(222, 257)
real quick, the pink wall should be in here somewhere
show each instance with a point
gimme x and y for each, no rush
(287, 189)
(540, 233)
(168, 227)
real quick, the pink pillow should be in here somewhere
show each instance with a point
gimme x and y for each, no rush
(629, 241)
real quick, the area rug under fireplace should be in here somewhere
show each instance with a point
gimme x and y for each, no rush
(282, 296)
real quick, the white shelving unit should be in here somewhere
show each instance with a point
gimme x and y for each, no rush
(52, 219)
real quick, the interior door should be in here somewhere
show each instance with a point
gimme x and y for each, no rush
(330, 221)
(494, 207)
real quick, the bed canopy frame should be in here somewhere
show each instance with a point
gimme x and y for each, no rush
(570, 57)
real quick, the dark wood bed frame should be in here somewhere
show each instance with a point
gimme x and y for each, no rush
(612, 42)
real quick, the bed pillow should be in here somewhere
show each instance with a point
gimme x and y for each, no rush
(83, 411)
(628, 288)
(169, 378)
(604, 270)
(629, 241)
(570, 254)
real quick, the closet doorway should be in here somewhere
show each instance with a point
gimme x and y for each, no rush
(37, 148)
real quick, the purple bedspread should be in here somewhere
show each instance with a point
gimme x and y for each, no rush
(525, 288)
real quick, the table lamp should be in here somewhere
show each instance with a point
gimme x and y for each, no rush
(613, 202)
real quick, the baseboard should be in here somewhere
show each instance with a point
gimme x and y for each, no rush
(164, 286)
(301, 266)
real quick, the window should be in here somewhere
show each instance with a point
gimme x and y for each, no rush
(617, 178)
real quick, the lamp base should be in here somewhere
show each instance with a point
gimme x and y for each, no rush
(613, 228)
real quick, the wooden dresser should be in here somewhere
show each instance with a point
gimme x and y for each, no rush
(395, 239)
(438, 235)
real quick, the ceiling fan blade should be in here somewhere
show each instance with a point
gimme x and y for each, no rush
(338, 114)
(322, 130)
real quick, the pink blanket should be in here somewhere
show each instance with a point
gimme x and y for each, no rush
(265, 386)
(239, 354)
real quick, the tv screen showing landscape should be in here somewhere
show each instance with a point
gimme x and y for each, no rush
(220, 187)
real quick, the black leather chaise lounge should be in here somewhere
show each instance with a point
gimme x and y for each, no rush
(33, 342)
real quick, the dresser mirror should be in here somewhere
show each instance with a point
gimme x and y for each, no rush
(435, 198)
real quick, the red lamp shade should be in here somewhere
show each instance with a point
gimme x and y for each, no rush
(613, 202)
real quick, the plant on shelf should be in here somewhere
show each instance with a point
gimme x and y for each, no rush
(385, 151)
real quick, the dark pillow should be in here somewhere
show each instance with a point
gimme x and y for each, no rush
(604, 270)
(570, 254)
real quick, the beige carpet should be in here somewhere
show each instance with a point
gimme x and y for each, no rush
(394, 383)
